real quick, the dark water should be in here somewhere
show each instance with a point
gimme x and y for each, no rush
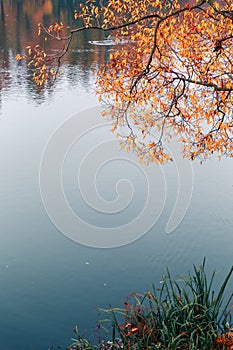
(48, 283)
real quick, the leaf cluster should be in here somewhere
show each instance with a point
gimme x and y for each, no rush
(170, 74)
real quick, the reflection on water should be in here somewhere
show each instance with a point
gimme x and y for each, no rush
(18, 28)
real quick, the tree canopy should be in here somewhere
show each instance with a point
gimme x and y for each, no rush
(170, 73)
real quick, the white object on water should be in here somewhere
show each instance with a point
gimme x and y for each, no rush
(109, 42)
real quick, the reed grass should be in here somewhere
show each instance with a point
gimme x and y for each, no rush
(182, 314)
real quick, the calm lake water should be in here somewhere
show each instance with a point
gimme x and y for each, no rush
(49, 283)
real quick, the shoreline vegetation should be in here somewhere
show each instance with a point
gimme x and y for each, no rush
(182, 314)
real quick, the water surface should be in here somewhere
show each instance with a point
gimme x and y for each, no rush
(48, 283)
